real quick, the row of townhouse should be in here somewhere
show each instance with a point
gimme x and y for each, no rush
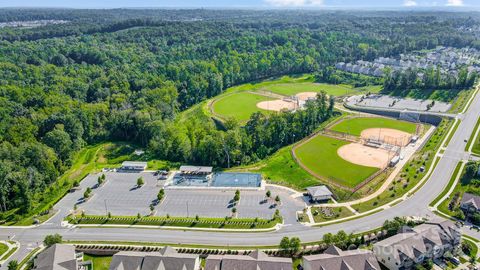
(403, 251)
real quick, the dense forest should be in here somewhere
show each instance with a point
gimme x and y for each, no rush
(431, 79)
(127, 75)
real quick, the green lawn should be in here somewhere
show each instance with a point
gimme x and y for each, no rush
(3, 249)
(355, 126)
(320, 156)
(238, 105)
(187, 222)
(99, 262)
(476, 143)
(290, 89)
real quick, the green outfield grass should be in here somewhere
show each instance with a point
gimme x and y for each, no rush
(290, 89)
(320, 156)
(355, 126)
(239, 105)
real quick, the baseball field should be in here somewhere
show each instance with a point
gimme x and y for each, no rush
(350, 163)
(239, 105)
(319, 156)
(242, 101)
(355, 126)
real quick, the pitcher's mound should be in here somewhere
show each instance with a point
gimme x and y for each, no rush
(363, 155)
(387, 135)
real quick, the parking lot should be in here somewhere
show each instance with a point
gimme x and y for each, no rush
(389, 102)
(120, 196)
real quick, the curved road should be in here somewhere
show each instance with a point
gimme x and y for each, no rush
(416, 205)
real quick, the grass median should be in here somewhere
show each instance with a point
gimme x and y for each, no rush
(186, 222)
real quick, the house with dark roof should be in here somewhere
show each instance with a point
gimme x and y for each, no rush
(59, 257)
(167, 259)
(470, 203)
(336, 259)
(414, 246)
(256, 260)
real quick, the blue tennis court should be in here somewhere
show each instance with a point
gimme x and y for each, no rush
(236, 180)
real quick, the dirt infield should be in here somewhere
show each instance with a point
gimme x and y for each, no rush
(306, 95)
(276, 105)
(280, 104)
(364, 155)
(387, 135)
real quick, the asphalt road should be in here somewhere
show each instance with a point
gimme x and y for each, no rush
(416, 205)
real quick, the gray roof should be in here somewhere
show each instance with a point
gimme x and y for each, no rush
(471, 200)
(134, 164)
(196, 169)
(57, 257)
(414, 241)
(167, 259)
(335, 259)
(256, 260)
(319, 191)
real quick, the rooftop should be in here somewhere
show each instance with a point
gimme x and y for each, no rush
(195, 169)
(57, 257)
(319, 191)
(134, 163)
(256, 260)
(335, 259)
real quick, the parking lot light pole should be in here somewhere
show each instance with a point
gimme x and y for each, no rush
(106, 209)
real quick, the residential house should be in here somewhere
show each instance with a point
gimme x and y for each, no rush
(335, 259)
(167, 259)
(416, 245)
(59, 257)
(470, 203)
(256, 260)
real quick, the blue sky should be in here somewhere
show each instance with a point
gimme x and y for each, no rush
(240, 3)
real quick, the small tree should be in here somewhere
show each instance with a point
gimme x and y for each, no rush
(13, 265)
(139, 216)
(277, 199)
(100, 180)
(285, 245)
(87, 193)
(140, 182)
(197, 218)
(109, 215)
(152, 207)
(234, 210)
(295, 245)
(52, 239)
(160, 195)
(236, 198)
(103, 176)
(268, 194)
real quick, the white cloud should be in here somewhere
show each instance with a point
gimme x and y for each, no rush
(409, 3)
(455, 3)
(296, 3)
